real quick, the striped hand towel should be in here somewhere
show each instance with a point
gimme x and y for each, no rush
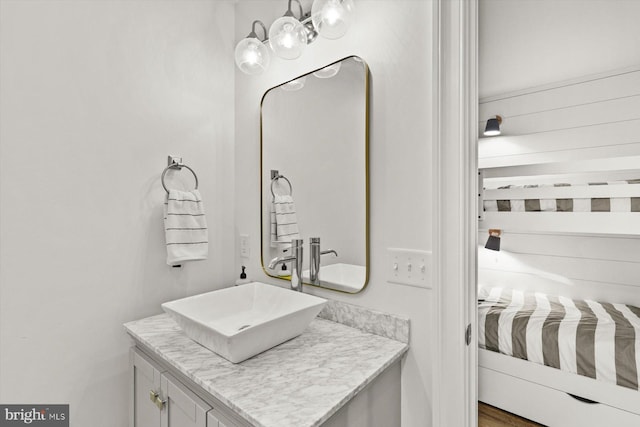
(284, 223)
(185, 227)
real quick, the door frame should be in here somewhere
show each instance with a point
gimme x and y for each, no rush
(455, 224)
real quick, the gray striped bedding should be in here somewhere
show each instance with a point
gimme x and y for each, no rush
(600, 204)
(597, 340)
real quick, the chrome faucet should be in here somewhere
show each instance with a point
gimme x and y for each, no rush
(296, 263)
(314, 262)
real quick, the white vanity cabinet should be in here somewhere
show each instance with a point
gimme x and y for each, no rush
(161, 400)
(342, 377)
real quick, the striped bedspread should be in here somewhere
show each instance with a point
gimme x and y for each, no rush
(600, 204)
(597, 340)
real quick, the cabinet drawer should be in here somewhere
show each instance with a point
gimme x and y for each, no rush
(545, 405)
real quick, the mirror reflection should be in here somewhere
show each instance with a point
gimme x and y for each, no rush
(314, 178)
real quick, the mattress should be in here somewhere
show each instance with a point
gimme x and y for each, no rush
(596, 340)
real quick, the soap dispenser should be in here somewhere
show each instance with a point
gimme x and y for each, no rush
(284, 271)
(243, 278)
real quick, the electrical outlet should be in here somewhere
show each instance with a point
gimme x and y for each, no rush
(245, 249)
(409, 267)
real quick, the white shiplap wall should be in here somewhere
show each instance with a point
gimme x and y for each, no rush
(584, 130)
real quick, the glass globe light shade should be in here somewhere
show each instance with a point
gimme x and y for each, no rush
(252, 56)
(287, 37)
(332, 18)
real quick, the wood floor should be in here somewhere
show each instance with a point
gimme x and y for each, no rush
(489, 416)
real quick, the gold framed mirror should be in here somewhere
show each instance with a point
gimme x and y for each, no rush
(314, 176)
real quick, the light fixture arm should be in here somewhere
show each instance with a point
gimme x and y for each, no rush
(253, 34)
(289, 11)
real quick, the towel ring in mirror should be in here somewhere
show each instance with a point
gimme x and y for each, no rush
(275, 179)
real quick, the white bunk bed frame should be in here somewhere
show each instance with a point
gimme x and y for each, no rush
(543, 394)
(585, 130)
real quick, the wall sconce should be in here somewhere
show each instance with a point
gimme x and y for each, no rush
(288, 36)
(252, 56)
(493, 126)
(493, 242)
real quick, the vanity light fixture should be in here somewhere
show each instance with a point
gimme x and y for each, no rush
(493, 242)
(288, 36)
(493, 126)
(252, 56)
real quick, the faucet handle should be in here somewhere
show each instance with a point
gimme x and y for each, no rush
(314, 240)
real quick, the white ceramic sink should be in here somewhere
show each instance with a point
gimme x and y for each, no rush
(343, 277)
(242, 321)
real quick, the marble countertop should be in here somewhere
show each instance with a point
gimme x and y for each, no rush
(300, 383)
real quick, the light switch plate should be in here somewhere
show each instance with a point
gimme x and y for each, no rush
(245, 250)
(409, 267)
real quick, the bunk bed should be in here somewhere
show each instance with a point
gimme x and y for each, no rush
(564, 188)
(560, 361)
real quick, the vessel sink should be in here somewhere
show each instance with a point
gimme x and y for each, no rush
(242, 321)
(342, 277)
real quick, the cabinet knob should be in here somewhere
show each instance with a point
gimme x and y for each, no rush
(155, 398)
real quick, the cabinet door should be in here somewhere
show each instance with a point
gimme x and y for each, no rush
(216, 419)
(146, 380)
(212, 421)
(183, 408)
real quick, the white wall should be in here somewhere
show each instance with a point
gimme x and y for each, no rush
(528, 43)
(94, 96)
(581, 131)
(394, 38)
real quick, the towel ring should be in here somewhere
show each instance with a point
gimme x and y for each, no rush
(177, 166)
(275, 179)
